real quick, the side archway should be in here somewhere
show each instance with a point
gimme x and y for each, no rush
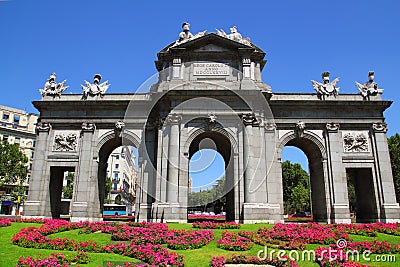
(106, 145)
(313, 148)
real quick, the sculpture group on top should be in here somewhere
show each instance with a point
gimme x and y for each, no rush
(326, 88)
(370, 87)
(94, 89)
(52, 88)
(186, 35)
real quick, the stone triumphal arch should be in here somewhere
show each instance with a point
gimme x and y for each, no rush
(209, 94)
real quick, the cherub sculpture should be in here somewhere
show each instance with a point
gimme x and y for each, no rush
(52, 88)
(95, 88)
(326, 88)
(370, 87)
(186, 35)
(234, 35)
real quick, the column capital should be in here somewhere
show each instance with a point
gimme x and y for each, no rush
(249, 119)
(43, 126)
(174, 119)
(379, 127)
(88, 127)
(176, 61)
(332, 127)
(269, 126)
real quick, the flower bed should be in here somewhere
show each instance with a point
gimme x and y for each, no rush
(215, 225)
(233, 241)
(245, 259)
(140, 235)
(181, 239)
(375, 246)
(5, 222)
(307, 233)
(325, 257)
(56, 260)
(34, 237)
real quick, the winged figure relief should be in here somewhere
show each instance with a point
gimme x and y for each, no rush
(52, 88)
(93, 89)
(328, 88)
(363, 90)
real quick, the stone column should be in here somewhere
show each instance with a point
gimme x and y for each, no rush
(340, 212)
(255, 207)
(173, 159)
(273, 173)
(390, 211)
(171, 210)
(246, 82)
(38, 203)
(248, 120)
(176, 67)
(85, 203)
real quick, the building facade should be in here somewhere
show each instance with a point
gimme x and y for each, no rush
(121, 170)
(210, 95)
(17, 127)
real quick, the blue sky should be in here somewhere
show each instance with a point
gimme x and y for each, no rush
(120, 40)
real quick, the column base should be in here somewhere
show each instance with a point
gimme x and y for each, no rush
(143, 212)
(390, 213)
(340, 213)
(169, 212)
(81, 211)
(34, 209)
(261, 213)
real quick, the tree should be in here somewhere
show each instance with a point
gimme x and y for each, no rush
(108, 188)
(293, 175)
(207, 197)
(69, 189)
(300, 197)
(18, 191)
(118, 200)
(351, 193)
(13, 162)
(394, 151)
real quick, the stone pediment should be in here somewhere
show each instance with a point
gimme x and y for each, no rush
(210, 42)
(211, 48)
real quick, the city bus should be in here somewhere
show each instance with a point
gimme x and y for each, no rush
(114, 209)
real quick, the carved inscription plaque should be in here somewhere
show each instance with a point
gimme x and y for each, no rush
(210, 69)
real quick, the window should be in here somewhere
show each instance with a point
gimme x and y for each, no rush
(16, 119)
(115, 186)
(117, 157)
(34, 143)
(117, 166)
(28, 179)
(5, 137)
(115, 175)
(33, 153)
(6, 116)
(30, 166)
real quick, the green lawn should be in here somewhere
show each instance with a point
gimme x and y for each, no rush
(10, 253)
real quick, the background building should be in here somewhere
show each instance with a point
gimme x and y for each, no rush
(122, 171)
(17, 127)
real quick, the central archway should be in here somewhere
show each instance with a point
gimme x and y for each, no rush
(220, 143)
